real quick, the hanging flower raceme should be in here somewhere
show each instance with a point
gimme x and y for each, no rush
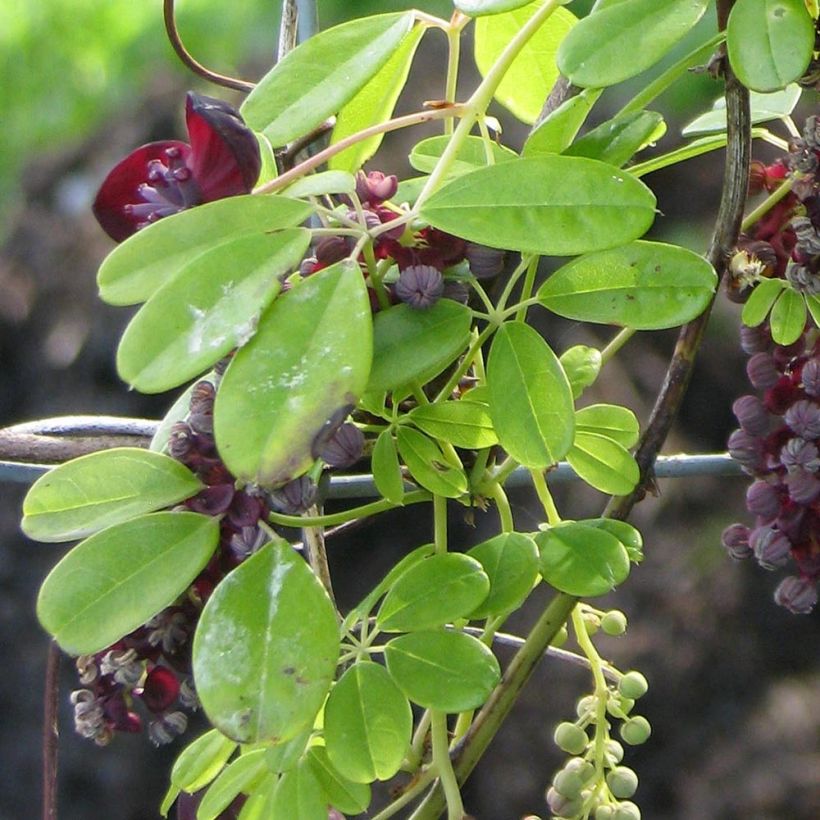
(162, 178)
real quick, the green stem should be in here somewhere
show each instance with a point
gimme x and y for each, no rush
(616, 343)
(668, 77)
(375, 507)
(526, 289)
(511, 282)
(502, 503)
(453, 54)
(465, 364)
(545, 497)
(444, 766)
(781, 192)
(415, 789)
(416, 754)
(504, 469)
(440, 523)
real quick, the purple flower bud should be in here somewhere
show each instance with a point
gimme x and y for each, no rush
(746, 449)
(752, 415)
(212, 500)
(374, 187)
(485, 263)
(810, 376)
(331, 249)
(770, 546)
(371, 219)
(203, 395)
(245, 510)
(202, 423)
(762, 371)
(803, 486)
(344, 447)
(735, 539)
(797, 454)
(294, 497)
(166, 727)
(246, 542)
(797, 594)
(763, 500)
(754, 340)
(420, 286)
(804, 418)
(181, 441)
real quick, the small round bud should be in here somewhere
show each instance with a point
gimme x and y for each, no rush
(797, 594)
(583, 768)
(587, 704)
(568, 783)
(560, 806)
(570, 738)
(420, 286)
(753, 340)
(635, 731)
(619, 706)
(771, 547)
(561, 637)
(622, 782)
(752, 415)
(604, 813)
(763, 500)
(614, 622)
(633, 685)
(803, 417)
(810, 376)
(592, 623)
(745, 448)
(762, 371)
(614, 752)
(484, 262)
(627, 811)
(735, 539)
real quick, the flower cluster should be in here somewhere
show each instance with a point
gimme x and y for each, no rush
(778, 442)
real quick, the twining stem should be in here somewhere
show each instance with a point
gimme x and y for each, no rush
(616, 343)
(502, 503)
(444, 766)
(453, 54)
(51, 733)
(314, 541)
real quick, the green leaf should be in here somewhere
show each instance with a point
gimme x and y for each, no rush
(582, 560)
(368, 724)
(475, 8)
(559, 128)
(440, 589)
(409, 560)
(209, 308)
(178, 411)
(259, 805)
(533, 71)
(610, 420)
(760, 301)
(325, 182)
(629, 537)
(342, 793)
(551, 205)
(603, 463)
(310, 356)
(134, 270)
(384, 463)
(511, 563)
(266, 648)
(619, 41)
(298, 794)
(319, 76)
(282, 757)
(93, 492)
(116, 580)
(416, 345)
(449, 671)
(373, 104)
(582, 365)
(643, 285)
(530, 397)
(428, 465)
(462, 423)
(770, 42)
(235, 778)
(788, 318)
(201, 761)
(617, 140)
(764, 107)
(471, 155)
(813, 305)
(168, 800)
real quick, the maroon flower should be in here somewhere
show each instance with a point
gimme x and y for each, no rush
(162, 178)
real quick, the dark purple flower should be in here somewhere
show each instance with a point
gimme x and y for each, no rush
(771, 547)
(374, 187)
(803, 486)
(344, 448)
(420, 286)
(160, 689)
(804, 418)
(294, 497)
(736, 541)
(162, 178)
(763, 500)
(797, 594)
(810, 376)
(484, 262)
(752, 415)
(762, 371)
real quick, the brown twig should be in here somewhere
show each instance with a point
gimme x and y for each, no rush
(51, 733)
(28, 447)
(188, 60)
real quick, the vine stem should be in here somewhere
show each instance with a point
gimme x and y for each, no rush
(781, 192)
(314, 541)
(444, 766)
(51, 733)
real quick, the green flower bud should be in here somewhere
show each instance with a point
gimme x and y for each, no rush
(614, 752)
(614, 622)
(587, 704)
(604, 813)
(627, 811)
(635, 731)
(570, 738)
(619, 707)
(561, 637)
(560, 806)
(622, 782)
(633, 685)
(592, 623)
(569, 784)
(582, 767)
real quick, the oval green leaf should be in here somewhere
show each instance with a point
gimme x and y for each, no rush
(342, 793)
(760, 301)
(116, 580)
(151, 257)
(282, 757)
(770, 42)
(603, 463)
(559, 127)
(428, 465)
(298, 794)
(788, 317)
(763, 107)
(530, 398)
(448, 671)
(209, 308)
(622, 40)
(434, 592)
(237, 777)
(551, 205)
(201, 761)
(610, 420)
(582, 560)
(625, 533)
(643, 285)
(511, 563)
(325, 182)
(310, 356)
(386, 468)
(475, 8)
(617, 140)
(319, 76)
(533, 71)
(368, 724)
(373, 104)
(463, 423)
(95, 491)
(266, 647)
(582, 364)
(471, 155)
(416, 345)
